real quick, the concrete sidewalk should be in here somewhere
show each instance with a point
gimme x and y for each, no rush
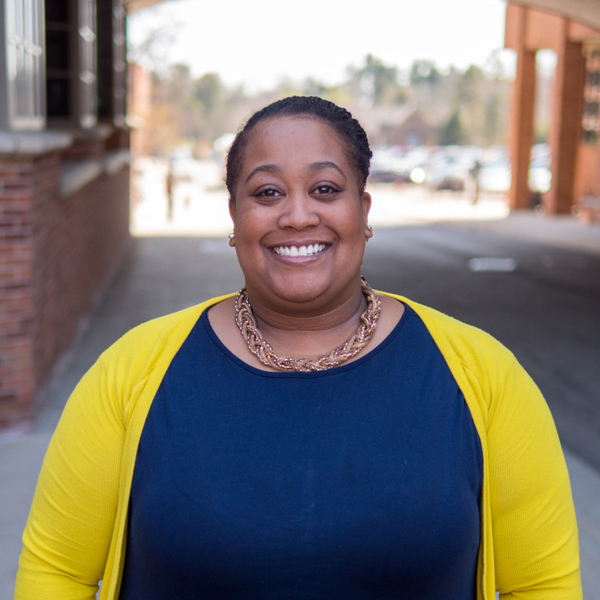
(163, 274)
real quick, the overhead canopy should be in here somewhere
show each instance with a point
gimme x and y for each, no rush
(586, 12)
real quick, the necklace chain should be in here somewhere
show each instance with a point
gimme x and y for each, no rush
(245, 320)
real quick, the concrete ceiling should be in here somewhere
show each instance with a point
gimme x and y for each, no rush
(583, 11)
(586, 12)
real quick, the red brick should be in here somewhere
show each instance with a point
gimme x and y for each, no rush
(56, 254)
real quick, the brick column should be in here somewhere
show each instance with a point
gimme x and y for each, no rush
(565, 133)
(17, 384)
(522, 114)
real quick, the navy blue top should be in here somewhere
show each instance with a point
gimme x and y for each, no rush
(358, 482)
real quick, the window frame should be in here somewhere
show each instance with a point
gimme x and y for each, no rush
(81, 77)
(112, 64)
(22, 67)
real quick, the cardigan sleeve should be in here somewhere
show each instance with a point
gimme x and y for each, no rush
(82, 491)
(67, 536)
(536, 549)
(531, 547)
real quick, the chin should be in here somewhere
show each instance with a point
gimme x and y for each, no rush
(295, 291)
(300, 293)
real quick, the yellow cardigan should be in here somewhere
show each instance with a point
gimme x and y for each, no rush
(76, 531)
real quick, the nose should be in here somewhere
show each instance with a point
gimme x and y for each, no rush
(299, 211)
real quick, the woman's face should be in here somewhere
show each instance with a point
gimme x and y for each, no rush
(299, 216)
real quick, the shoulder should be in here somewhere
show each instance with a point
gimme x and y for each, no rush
(154, 341)
(484, 369)
(457, 339)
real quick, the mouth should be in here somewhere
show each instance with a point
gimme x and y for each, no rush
(299, 251)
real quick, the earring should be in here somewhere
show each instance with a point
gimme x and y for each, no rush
(369, 233)
(231, 238)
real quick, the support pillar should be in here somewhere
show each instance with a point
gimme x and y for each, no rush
(565, 133)
(521, 117)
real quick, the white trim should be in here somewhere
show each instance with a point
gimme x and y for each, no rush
(115, 161)
(32, 143)
(76, 174)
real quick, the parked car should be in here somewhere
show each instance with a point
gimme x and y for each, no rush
(393, 165)
(494, 175)
(450, 168)
(540, 174)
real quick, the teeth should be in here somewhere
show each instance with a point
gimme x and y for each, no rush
(309, 250)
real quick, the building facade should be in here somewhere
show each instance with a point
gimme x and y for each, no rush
(64, 182)
(572, 31)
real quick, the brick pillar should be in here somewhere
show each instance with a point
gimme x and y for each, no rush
(565, 133)
(522, 115)
(17, 384)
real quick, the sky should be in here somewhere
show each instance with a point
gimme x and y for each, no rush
(260, 42)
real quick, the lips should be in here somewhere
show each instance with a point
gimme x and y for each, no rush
(297, 251)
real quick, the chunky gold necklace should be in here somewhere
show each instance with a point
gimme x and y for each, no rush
(245, 320)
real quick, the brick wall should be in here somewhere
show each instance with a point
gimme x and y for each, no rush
(16, 325)
(56, 254)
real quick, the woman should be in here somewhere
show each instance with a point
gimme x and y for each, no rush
(307, 437)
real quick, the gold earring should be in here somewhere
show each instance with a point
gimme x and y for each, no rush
(231, 238)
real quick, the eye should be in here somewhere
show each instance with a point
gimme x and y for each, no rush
(268, 192)
(325, 189)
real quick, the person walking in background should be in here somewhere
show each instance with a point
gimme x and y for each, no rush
(307, 437)
(474, 171)
(170, 188)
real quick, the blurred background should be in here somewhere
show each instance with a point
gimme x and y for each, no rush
(115, 119)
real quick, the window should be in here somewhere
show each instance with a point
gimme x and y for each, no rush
(71, 64)
(591, 95)
(112, 65)
(53, 67)
(21, 72)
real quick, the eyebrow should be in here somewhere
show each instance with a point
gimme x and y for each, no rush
(316, 166)
(263, 169)
(325, 164)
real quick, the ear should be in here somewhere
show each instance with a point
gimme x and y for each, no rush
(232, 211)
(365, 201)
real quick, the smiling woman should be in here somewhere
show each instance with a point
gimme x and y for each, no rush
(308, 437)
(297, 189)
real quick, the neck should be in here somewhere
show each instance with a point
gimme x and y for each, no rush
(299, 332)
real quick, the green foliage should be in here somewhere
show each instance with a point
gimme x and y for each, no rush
(208, 91)
(424, 72)
(470, 83)
(376, 82)
(453, 133)
(467, 107)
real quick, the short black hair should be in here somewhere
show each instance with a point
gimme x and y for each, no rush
(349, 129)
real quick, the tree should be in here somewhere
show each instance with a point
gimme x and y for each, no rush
(470, 85)
(208, 91)
(424, 72)
(375, 82)
(452, 133)
(208, 100)
(469, 106)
